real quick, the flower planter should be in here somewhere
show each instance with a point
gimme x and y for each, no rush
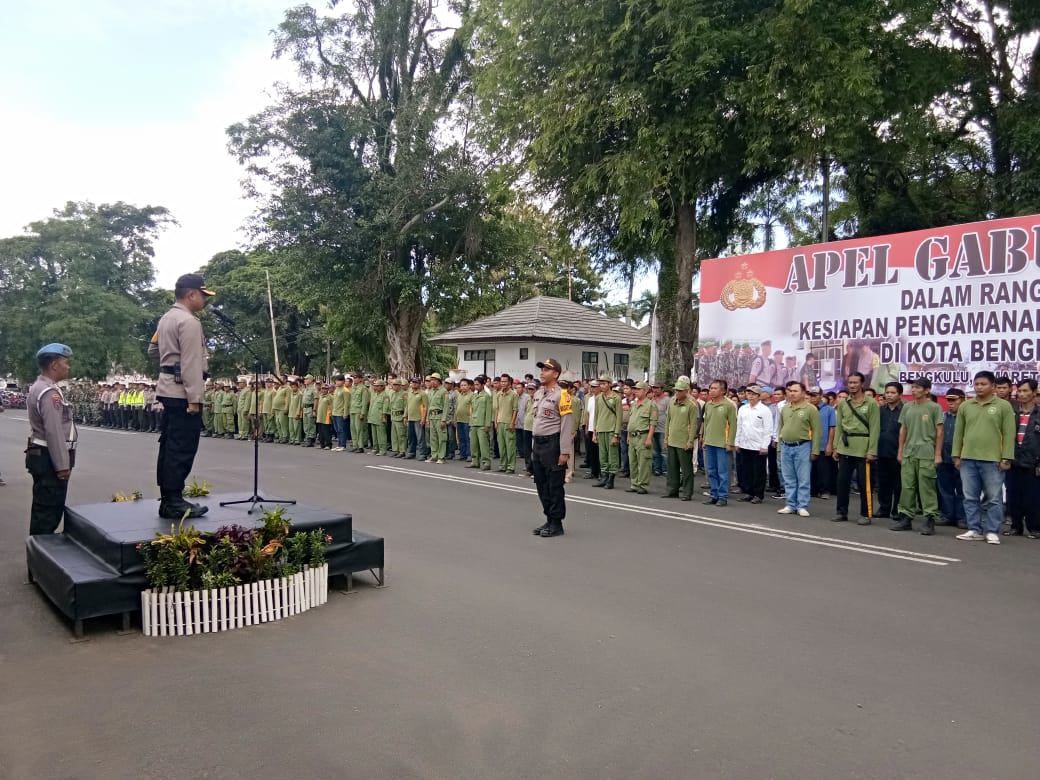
(166, 612)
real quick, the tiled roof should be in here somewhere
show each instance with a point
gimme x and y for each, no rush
(547, 319)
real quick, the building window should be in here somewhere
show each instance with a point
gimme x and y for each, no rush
(523, 353)
(620, 365)
(589, 365)
(478, 354)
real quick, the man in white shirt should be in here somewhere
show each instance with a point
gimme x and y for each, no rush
(755, 430)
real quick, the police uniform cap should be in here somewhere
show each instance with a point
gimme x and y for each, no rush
(594, 383)
(436, 376)
(532, 386)
(310, 377)
(604, 377)
(380, 383)
(55, 349)
(642, 385)
(681, 384)
(551, 363)
(194, 282)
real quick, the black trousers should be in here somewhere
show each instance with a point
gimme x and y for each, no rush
(592, 454)
(889, 485)
(773, 468)
(549, 476)
(1023, 498)
(824, 475)
(847, 464)
(178, 443)
(751, 472)
(49, 492)
(324, 435)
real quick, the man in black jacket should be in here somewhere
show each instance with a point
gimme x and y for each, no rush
(1023, 478)
(888, 485)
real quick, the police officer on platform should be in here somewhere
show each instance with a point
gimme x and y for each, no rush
(51, 452)
(552, 440)
(182, 367)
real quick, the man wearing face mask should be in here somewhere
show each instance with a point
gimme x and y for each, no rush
(183, 362)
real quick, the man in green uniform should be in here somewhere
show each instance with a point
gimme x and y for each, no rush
(920, 451)
(218, 410)
(463, 408)
(856, 441)
(360, 396)
(606, 433)
(245, 396)
(254, 398)
(295, 412)
(642, 424)
(267, 418)
(309, 401)
(398, 426)
(505, 406)
(415, 419)
(480, 427)
(339, 408)
(323, 419)
(230, 403)
(718, 437)
(681, 433)
(280, 407)
(437, 398)
(984, 439)
(378, 404)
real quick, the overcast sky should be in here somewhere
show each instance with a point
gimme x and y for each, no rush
(108, 100)
(112, 100)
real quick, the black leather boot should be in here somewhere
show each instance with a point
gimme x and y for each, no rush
(538, 531)
(602, 481)
(610, 482)
(553, 529)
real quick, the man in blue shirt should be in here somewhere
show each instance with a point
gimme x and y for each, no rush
(824, 471)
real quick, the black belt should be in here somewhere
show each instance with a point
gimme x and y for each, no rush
(861, 435)
(168, 370)
(639, 433)
(543, 439)
(795, 443)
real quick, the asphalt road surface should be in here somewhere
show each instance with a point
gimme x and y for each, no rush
(657, 639)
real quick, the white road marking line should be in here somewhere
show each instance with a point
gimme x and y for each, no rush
(81, 428)
(758, 530)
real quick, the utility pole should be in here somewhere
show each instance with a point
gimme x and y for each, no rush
(274, 335)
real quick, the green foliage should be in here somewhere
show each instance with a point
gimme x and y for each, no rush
(81, 277)
(196, 489)
(184, 559)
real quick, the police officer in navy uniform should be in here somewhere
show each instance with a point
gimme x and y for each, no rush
(51, 452)
(181, 389)
(552, 446)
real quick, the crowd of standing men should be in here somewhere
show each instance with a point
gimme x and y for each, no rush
(973, 465)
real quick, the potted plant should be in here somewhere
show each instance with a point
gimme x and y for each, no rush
(238, 576)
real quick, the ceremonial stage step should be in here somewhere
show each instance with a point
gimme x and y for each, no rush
(94, 568)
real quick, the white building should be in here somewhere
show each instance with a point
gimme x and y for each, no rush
(585, 341)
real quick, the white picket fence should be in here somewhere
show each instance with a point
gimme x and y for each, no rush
(166, 612)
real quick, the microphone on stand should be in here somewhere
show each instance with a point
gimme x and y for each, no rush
(220, 315)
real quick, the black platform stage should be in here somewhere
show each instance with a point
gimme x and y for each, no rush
(93, 568)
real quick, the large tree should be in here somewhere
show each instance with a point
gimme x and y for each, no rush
(371, 189)
(636, 118)
(82, 277)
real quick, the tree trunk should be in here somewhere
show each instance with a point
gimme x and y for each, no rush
(631, 292)
(676, 318)
(403, 329)
(685, 267)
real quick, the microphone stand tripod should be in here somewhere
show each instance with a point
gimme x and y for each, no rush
(255, 498)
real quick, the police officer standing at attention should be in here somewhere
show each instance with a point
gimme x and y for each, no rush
(182, 367)
(51, 452)
(552, 446)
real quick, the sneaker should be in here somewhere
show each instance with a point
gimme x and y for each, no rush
(803, 512)
(785, 511)
(338, 449)
(992, 539)
(971, 536)
(439, 461)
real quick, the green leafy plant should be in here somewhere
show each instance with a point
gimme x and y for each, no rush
(118, 498)
(196, 489)
(185, 559)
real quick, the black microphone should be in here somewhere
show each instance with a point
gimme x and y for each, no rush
(216, 312)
